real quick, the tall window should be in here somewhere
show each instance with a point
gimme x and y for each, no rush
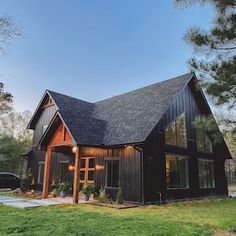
(112, 173)
(63, 170)
(177, 171)
(206, 173)
(175, 133)
(40, 172)
(203, 141)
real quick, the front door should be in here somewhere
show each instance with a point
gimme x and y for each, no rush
(87, 168)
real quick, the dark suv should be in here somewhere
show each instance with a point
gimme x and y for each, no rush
(9, 180)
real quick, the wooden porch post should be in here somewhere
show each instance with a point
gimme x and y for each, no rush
(47, 164)
(76, 176)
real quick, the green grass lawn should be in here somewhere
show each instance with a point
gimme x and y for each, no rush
(189, 218)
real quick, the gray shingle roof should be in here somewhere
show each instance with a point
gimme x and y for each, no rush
(126, 118)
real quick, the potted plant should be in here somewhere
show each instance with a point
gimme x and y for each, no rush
(54, 192)
(63, 187)
(87, 190)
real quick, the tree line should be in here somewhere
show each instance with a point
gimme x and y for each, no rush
(15, 139)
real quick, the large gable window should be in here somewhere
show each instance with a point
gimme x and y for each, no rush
(177, 171)
(175, 132)
(112, 173)
(203, 141)
(206, 173)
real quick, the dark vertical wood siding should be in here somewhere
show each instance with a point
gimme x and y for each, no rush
(130, 173)
(44, 119)
(190, 102)
(154, 149)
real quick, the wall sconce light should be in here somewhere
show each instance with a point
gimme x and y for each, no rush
(74, 149)
(71, 167)
(128, 146)
(99, 167)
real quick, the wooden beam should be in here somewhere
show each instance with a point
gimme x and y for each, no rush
(76, 176)
(47, 165)
(65, 143)
(63, 133)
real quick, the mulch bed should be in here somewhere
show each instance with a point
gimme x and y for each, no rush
(125, 205)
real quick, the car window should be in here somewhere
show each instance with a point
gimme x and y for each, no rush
(7, 176)
(2, 176)
(11, 176)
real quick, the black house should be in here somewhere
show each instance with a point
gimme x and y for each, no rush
(142, 141)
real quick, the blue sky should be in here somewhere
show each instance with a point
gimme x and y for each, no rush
(95, 49)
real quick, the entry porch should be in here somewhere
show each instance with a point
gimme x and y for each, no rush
(59, 139)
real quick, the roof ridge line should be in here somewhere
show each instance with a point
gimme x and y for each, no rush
(163, 81)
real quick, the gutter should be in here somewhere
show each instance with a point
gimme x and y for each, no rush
(140, 150)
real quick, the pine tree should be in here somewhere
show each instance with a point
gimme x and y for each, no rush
(218, 47)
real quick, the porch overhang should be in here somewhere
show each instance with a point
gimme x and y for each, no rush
(57, 137)
(57, 134)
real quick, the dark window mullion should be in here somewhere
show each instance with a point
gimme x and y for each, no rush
(111, 173)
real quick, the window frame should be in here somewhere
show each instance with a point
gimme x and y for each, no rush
(205, 136)
(188, 173)
(174, 122)
(206, 170)
(40, 171)
(62, 162)
(106, 159)
(86, 169)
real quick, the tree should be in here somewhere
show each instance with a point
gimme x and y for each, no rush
(14, 140)
(218, 47)
(215, 60)
(5, 100)
(215, 63)
(9, 30)
(14, 123)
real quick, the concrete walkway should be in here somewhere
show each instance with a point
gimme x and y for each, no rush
(28, 203)
(25, 203)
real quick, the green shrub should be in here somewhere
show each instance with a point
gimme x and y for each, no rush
(232, 229)
(63, 187)
(88, 189)
(102, 196)
(119, 197)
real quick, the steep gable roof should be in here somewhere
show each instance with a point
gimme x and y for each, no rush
(126, 118)
(131, 116)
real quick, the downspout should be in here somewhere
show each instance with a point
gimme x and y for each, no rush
(140, 150)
